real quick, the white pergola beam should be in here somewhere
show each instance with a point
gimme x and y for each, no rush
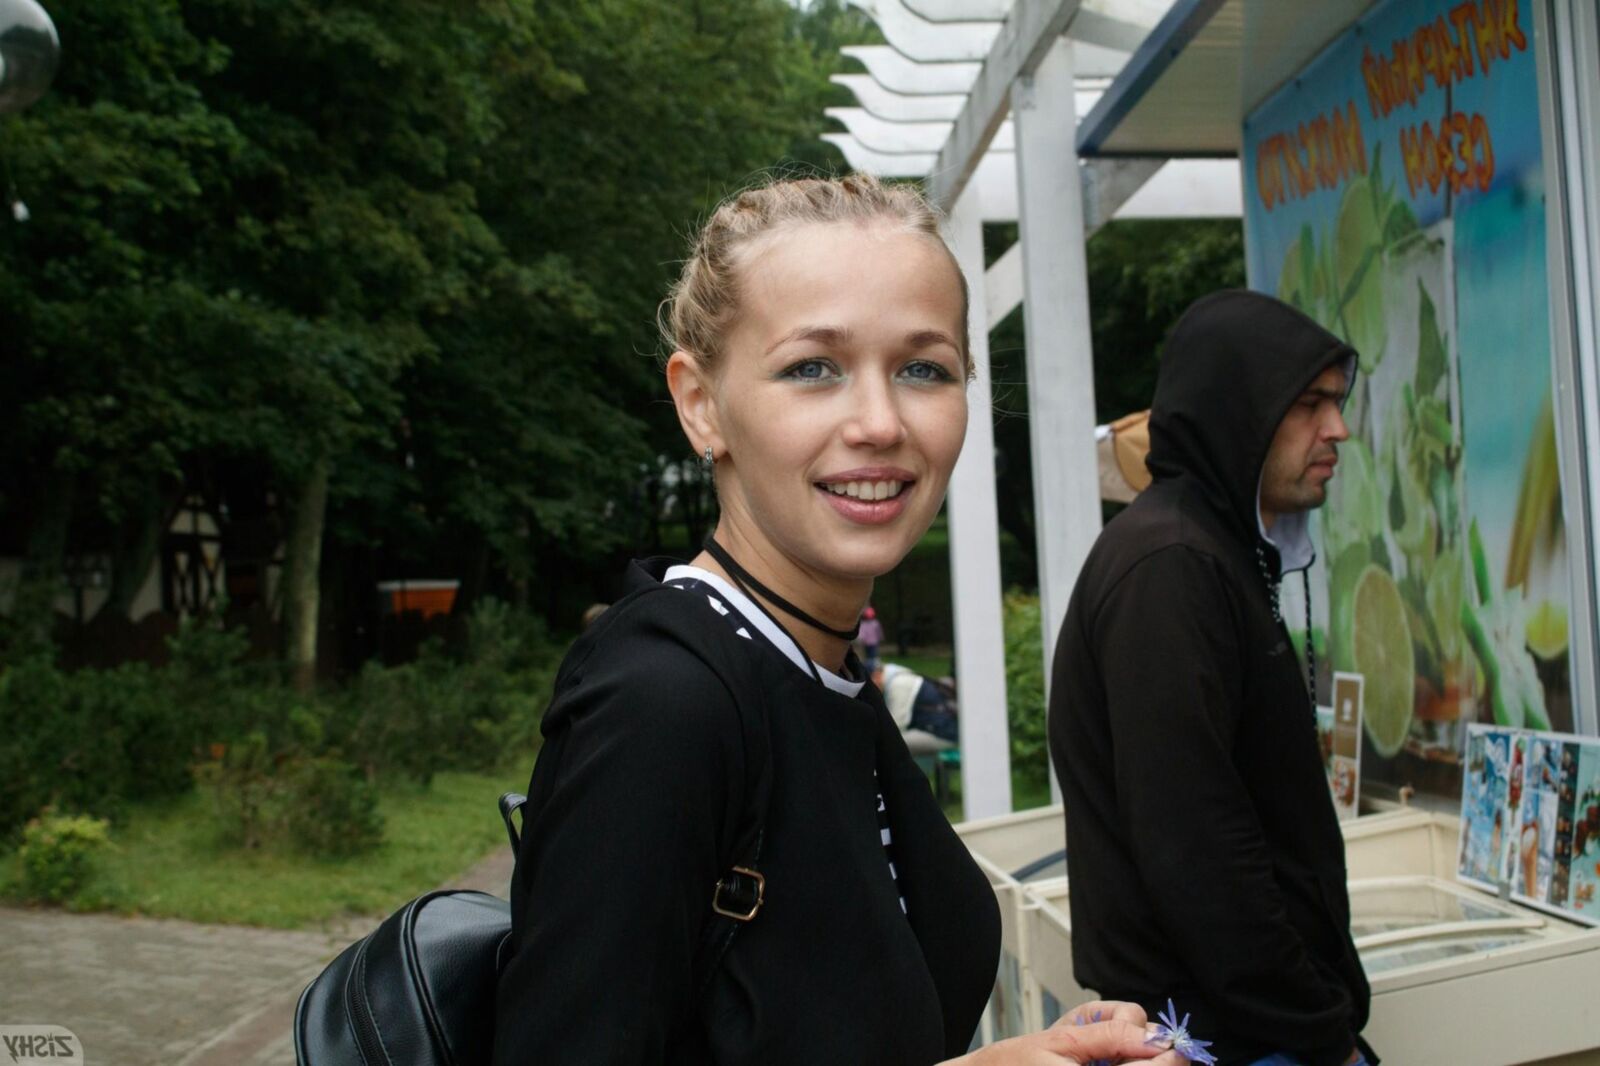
(1024, 39)
(901, 107)
(996, 182)
(932, 107)
(973, 517)
(1061, 422)
(922, 41)
(884, 136)
(1188, 188)
(1111, 24)
(1107, 184)
(881, 164)
(1003, 285)
(898, 74)
(961, 10)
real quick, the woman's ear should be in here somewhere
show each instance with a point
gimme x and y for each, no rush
(690, 383)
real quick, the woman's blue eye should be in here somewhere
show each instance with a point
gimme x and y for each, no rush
(922, 370)
(809, 370)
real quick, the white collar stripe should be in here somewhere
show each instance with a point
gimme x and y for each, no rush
(757, 617)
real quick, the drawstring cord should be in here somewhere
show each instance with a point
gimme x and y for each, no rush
(1274, 583)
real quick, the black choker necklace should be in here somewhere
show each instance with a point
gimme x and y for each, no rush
(742, 576)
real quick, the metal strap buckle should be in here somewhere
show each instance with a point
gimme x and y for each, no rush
(739, 894)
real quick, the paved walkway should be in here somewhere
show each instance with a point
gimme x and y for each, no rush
(153, 992)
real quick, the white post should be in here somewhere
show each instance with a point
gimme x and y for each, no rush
(1066, 488)
(974, 524)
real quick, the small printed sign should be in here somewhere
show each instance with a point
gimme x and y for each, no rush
(1340, 729)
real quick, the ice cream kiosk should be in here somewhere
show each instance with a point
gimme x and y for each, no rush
(1423, 178)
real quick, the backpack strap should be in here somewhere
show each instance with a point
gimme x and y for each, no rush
(739, 893)
(510, 804)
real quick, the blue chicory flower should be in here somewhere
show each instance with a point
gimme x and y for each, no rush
(1176, 1033)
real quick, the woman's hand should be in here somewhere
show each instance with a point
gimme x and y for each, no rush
(1103, 1010)
(1119, 1036)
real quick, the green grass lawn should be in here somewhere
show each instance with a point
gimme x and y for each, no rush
(927, 664)
(167, 861)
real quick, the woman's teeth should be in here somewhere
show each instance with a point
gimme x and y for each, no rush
(865, 490)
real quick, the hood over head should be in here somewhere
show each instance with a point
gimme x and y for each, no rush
(1234, 364)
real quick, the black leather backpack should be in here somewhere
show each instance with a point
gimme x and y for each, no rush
(420, 989)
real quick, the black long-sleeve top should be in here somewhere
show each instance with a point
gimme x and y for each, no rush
(653, 744)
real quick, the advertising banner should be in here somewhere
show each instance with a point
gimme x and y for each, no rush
(1394, 191)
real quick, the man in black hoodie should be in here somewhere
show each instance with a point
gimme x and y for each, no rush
(1203, 849)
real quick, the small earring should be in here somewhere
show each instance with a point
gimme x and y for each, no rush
(709, 458)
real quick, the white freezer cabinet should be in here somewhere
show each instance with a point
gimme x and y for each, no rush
(1458, 976)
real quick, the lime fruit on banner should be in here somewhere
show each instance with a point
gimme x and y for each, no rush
(1547, 630)
(1342, 581)
(1385, 657)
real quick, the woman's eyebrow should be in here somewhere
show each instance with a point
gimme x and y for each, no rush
(926, 338)
(830, 335)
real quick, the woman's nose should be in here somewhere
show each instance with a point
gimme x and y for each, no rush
(875, 419)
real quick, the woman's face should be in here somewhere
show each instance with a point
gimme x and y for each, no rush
(840, 400)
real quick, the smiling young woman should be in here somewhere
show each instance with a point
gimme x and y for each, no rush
(728, 854)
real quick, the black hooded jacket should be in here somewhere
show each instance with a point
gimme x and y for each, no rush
(1204, 853)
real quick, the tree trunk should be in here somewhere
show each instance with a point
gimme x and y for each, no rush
(301, 566)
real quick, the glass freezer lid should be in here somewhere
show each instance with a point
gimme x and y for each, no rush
(1392, 904)
(1423, 952)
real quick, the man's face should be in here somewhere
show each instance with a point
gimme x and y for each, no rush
(1304, 450)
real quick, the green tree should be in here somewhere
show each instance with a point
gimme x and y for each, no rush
(395, 262)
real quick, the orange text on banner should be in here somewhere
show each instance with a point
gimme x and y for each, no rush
(1448, 50)
(1460, 154)
(1322, 153)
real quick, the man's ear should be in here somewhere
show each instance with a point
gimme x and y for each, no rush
(689, 381)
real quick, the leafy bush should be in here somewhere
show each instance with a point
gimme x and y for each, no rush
(330, 808)
(1025, 706)
(290, 798)
(57, 857)
(440, 713)
(87, 741)
(242, 783)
